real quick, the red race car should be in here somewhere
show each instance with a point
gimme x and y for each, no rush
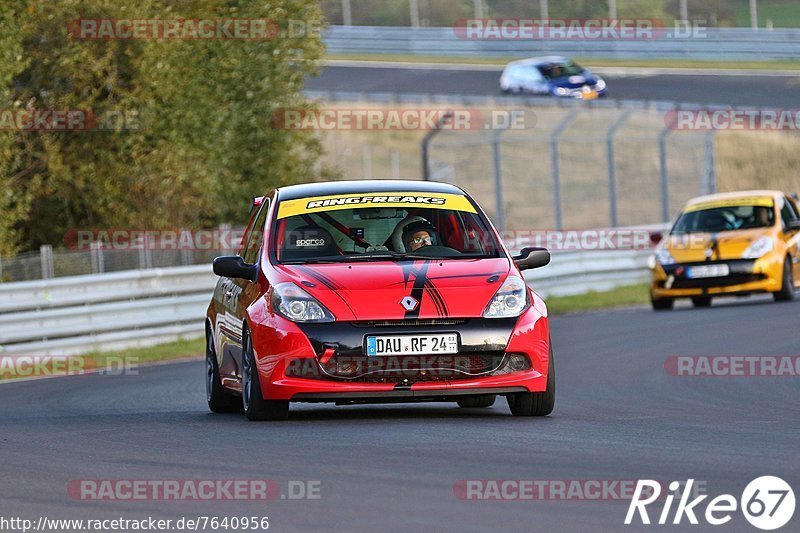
(370, 292)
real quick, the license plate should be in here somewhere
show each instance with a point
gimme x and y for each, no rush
(442, 343)
(591, 95)
(708, 271)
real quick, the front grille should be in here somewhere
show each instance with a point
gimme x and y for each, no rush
(741, 271)
(704, 283)
(399, 369)
(409, 323)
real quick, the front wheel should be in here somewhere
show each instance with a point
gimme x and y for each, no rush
(253, 402)
(662, 304)
(787, 285)
(536, 403)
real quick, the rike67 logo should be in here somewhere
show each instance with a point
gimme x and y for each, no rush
(767, 503)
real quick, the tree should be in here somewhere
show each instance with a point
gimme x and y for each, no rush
(13, 201)
(196, 141)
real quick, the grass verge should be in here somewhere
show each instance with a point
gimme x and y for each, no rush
(160, 352)
(619, 297)
(594, 62)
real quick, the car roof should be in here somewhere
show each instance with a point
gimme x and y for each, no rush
(735, 194)
(537, 61)
(326, 188)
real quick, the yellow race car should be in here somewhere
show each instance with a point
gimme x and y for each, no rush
(729, 244)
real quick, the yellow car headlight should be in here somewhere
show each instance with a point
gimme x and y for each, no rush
(759, 248)
(664, 257)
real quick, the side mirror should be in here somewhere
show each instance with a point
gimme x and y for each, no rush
(656, 237)
(233, 266)
(532, 258)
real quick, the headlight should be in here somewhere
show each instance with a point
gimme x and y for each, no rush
(664, 257)
(561, 91)
(510, 300)
(292, 302)
(600, 85)
(760, 247)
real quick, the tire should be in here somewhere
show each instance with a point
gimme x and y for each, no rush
(662, 304)
(218, 400)
(701, 301)
(253, 403)
(536, 403)
(474, 402)
(787, 284)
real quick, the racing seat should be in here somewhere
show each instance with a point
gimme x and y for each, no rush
(308, 242)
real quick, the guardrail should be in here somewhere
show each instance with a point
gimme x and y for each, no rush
(736, 44)
(79, 314)
(571, 273)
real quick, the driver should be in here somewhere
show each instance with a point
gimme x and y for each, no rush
(762, 217)
(418, 235)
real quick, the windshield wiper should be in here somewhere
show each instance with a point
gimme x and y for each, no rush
(388, 256)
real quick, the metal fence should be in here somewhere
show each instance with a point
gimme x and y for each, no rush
(574, 164)
(578, 169)
(735, 44)
(50, 262)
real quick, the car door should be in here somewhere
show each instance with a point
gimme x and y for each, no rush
(789, 214)
(229, 325)
(244, 292)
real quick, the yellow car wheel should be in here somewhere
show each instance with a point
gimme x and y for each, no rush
(787, 286)
(662, 304)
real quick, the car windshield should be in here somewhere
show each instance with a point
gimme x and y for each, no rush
(727, 218)
(560, 70)
(380, 227)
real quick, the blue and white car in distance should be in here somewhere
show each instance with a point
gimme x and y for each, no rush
(552, 75)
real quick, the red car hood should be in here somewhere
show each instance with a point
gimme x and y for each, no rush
(374, 291)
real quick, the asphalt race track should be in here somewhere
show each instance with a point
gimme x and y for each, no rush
(745, 89)
(619, 416)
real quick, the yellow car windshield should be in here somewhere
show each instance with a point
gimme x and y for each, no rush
(728, 218)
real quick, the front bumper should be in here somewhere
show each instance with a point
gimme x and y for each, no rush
(400, 396)
(581, 94)
(280, 344)
(746, 276)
